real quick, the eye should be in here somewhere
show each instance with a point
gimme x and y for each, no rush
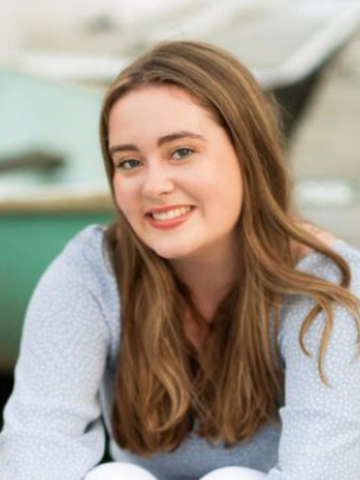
(181, 153)
(127, 164)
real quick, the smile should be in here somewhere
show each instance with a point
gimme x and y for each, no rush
(177, 212)
(170, 219)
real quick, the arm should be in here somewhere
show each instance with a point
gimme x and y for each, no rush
(52, 427)
(320, 424)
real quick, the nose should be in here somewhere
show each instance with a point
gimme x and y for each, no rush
(157, 182)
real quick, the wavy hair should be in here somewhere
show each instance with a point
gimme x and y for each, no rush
(234, 385)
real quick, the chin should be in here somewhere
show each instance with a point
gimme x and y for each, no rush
(169, 255)
(172, 253)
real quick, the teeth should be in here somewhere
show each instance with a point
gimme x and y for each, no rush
(177, 212)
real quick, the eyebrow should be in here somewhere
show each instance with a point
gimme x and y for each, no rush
(161, 141)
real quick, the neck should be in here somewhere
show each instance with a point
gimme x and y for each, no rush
(208, 277)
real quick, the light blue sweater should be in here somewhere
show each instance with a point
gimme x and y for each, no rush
(53, 428)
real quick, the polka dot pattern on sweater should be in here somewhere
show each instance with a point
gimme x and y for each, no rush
(65, 372)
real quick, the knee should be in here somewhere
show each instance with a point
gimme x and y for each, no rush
(117, 470)
(234, 473)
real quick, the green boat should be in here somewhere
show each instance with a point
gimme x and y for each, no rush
(52, 184)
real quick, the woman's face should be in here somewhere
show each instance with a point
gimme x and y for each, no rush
(177, 178)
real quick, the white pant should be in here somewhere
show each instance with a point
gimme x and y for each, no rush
(128, 471)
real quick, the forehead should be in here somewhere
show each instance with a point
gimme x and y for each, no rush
(143, 93)
(157, 105)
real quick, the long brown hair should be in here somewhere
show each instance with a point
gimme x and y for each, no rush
(235, 384)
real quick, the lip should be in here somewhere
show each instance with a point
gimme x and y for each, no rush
(165, 208)
(171, 223)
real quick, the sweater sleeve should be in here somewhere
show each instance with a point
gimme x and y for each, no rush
(320, 437)
(53, 428)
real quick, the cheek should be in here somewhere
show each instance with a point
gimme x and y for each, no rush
(228, 199)
(125, 197)
(233, 185)
(223, 189)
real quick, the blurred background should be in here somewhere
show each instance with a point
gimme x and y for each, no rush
(57, 59)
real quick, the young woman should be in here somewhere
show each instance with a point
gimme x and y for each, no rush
(213, 331)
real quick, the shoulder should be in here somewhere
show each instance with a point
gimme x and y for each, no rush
(85, 258)
(324, 236)
(79, 284)
(295, 308)
(322, 266)
(88, 246)
(82, 264)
